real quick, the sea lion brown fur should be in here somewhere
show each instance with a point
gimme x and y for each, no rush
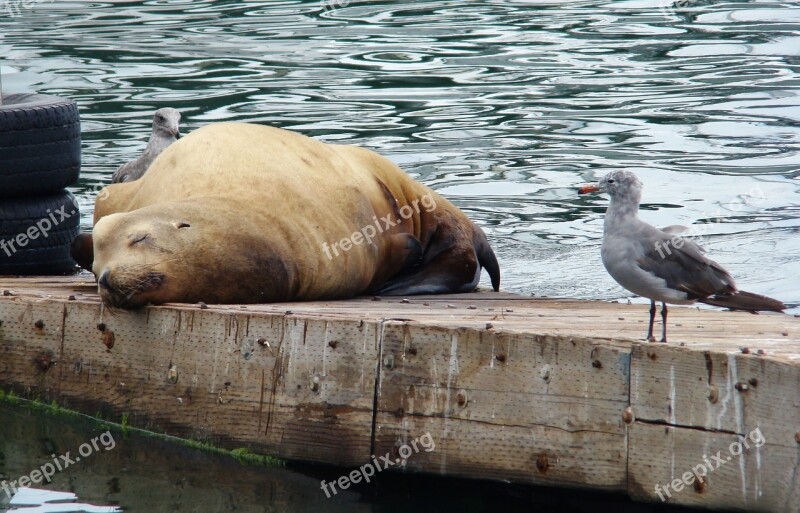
(244, 213)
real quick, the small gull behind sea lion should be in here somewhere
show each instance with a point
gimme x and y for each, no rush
(660, 264)
(165, 132)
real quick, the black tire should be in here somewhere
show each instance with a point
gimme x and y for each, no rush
(40, 144)
(48, 253)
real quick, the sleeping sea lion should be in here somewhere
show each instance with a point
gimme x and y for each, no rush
(245, 213)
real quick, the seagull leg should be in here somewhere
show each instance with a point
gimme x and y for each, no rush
(663, 321)
(650, 337)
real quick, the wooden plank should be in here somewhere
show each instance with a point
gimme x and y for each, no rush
(261, 382)
(778, 335)
(31, 344)
(521, 389)
(527, 407)
(763, 478)
(710, 399)
(717, 390)
(327, 384)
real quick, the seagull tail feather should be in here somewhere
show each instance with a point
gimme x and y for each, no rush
(742, 300)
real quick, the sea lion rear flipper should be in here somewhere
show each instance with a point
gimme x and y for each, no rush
(486, 257)
(82, 250)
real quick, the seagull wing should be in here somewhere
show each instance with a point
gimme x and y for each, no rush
(683, 266)
(674, 229)
(121, 174)
(677, 229)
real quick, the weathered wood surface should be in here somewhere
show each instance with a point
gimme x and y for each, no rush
(529, 390)
(691, 405)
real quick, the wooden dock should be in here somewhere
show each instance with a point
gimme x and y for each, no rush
(544, 391)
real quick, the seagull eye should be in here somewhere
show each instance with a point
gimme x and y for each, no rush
(611, 180)
(160, 117)
(139, 239)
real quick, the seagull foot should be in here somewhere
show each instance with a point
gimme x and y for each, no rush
(651, 338)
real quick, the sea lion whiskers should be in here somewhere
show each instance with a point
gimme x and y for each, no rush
(139, 285)
(138, 267)
(149, 279)
(133, 282)
(145, 282)
(113, 311)
(122, 294)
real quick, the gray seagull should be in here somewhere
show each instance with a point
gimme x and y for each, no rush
(660, 264)
(165, 132)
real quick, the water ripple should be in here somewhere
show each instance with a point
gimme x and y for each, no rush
(503, 106)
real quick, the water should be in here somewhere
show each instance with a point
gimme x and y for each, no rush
(502, 106)
(147, 475)
(38, 500)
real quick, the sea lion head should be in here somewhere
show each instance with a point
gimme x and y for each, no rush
(140, 258)
(189, 251)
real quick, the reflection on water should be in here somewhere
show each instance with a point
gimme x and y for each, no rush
(33, 500)
(144, 474)
(148, 475)
(503, 106)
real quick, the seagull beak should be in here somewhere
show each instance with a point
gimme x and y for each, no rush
(586, 189)
(177, 135)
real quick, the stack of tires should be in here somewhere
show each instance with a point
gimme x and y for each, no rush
(40, 155)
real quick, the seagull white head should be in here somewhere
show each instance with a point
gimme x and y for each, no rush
(619, 185)
(166, 121)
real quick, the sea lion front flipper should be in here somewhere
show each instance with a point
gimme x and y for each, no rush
(436, 275)
(431, 279)
(82, 250)
(404, 254)
(410, 247)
